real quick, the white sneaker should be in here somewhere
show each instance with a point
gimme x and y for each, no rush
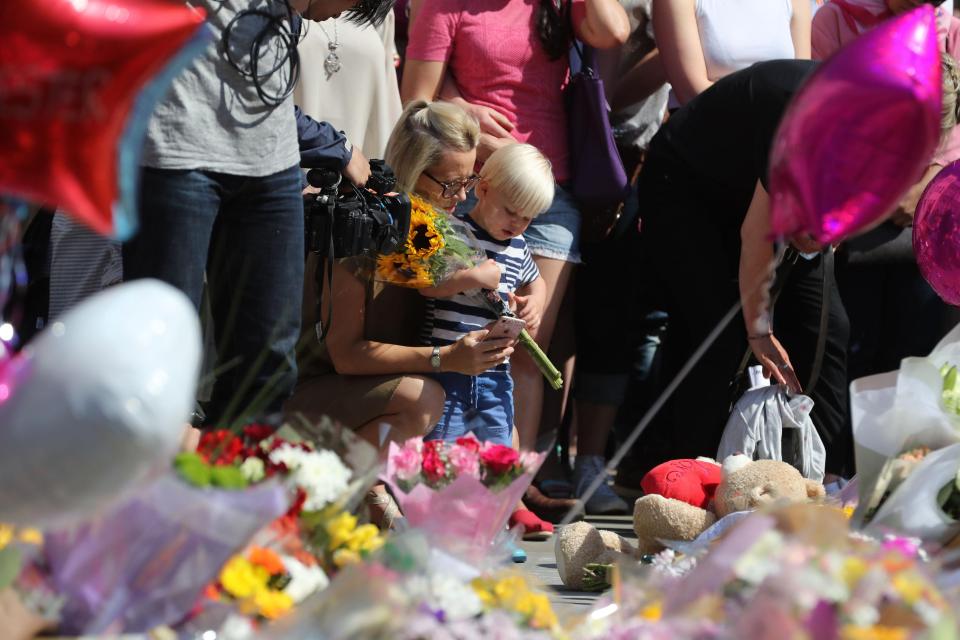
(603, 501)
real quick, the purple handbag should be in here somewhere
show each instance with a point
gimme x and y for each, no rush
(599, 180)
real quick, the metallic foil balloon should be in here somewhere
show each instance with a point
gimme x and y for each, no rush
(860, 132)
(78, 82)
(100, 401)
(936, 234)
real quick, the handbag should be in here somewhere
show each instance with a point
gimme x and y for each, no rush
(599, 180)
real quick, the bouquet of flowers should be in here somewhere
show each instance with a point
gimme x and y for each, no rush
(437, 246)
(893, 413)
(797, 573)
(404, 594)
(461, 493)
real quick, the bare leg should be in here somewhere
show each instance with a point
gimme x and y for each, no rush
(528, 381)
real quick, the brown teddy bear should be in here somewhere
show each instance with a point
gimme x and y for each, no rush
(745, 485)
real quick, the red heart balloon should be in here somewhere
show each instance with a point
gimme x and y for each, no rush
(78, 81)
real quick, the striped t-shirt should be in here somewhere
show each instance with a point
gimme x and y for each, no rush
(449, 319)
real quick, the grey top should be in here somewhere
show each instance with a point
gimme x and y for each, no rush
(212, 118)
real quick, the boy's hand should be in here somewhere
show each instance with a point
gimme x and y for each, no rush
(487, 275)
(528, 309)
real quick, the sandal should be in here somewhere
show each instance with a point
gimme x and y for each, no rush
(383, 502)
(534, 529)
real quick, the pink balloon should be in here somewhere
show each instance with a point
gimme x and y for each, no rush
(936, 234)
(859, 133)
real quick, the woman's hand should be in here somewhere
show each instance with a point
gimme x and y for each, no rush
(491, 121)
(490, 143)
(775, 361)
(472, 355)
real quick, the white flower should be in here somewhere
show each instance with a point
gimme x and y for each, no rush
(236, 627)
(253, 469)
(304, 580)
(320, 474)
(456, 600)
(761, 560)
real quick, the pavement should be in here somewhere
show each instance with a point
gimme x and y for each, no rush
(541, 564)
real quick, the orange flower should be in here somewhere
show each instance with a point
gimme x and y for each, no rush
(267, 559)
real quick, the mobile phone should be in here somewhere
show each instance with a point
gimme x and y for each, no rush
(506, 327)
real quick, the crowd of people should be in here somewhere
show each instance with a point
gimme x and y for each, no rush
(465, 100)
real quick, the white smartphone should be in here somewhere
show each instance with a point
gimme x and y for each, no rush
(506, 327)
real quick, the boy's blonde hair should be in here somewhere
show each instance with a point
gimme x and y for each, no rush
(424, 131)
(522, 176)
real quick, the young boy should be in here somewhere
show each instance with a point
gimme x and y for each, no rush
(516, 185)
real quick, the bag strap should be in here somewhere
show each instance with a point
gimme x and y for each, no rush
(825, 266)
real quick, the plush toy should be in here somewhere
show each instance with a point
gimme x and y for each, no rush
(745, 485)
(579, 546)
(683, 499)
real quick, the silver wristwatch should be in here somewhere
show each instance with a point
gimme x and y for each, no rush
(435, 359)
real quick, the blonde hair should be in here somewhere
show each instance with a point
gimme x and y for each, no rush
(424, 131)
(951, 87)
(522, 176)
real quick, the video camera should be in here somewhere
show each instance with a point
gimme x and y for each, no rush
(346, 222)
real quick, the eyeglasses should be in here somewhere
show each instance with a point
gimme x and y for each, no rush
(450, 189)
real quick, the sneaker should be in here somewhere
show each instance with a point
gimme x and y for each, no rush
(603, 502)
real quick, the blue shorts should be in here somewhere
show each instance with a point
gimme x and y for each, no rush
(555, 233)
(482, 405)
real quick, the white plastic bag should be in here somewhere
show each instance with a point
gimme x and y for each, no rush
(756, 427)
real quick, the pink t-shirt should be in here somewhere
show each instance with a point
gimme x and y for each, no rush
(493, 50)
(830, 32)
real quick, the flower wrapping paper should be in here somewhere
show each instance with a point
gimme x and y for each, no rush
(145, 562)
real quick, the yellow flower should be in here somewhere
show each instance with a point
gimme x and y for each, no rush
(365, 539)
(909, 586)
(241, 579)
(653, 611)
(340, 529)
(482, 589)
(272, 604)
(848, 511)
(6, 535)
(344, 557)
(510, 588)
(541, 614)
(875, 632)
(853, 570)
(30, 536)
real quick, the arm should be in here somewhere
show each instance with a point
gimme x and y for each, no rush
(485, 275)
(353, 355)
(678, 38)
(800, 29)
(320, 144)
(756, 276)
(604, 24)
(825, 32)
(640, 82)
(422, 80)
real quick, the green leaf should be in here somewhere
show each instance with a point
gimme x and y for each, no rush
(11, 561)
(193, 469)
(228, 478)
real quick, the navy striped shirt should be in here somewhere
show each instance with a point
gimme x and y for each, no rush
(449, 319)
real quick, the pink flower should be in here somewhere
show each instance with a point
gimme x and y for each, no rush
(406, 461)
(465, 461)
(498, 458)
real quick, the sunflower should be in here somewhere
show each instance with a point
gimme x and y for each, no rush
(424, 238)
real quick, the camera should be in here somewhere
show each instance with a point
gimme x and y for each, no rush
(343, 222)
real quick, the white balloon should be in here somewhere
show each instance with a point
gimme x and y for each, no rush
(103, 403)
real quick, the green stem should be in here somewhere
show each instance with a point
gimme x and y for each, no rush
(540, 359)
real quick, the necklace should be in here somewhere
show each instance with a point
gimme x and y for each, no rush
(331, 64)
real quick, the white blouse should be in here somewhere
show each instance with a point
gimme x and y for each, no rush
(361, 98)
(735, 34)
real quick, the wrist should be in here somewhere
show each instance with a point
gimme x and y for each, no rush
(444, 358)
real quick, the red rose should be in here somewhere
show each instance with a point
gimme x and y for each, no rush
(230, 451)
(499, 458)
(470, 443)
(210, 441)
(433, 466)
(257, 432)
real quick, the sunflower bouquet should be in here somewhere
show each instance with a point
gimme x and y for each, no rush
(436, 247)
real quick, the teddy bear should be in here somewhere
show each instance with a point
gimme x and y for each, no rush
(683, 498)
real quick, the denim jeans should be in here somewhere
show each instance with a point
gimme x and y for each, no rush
(482, 405)
(246, 233)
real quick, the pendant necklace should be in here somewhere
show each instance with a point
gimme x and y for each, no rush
(331, 64)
